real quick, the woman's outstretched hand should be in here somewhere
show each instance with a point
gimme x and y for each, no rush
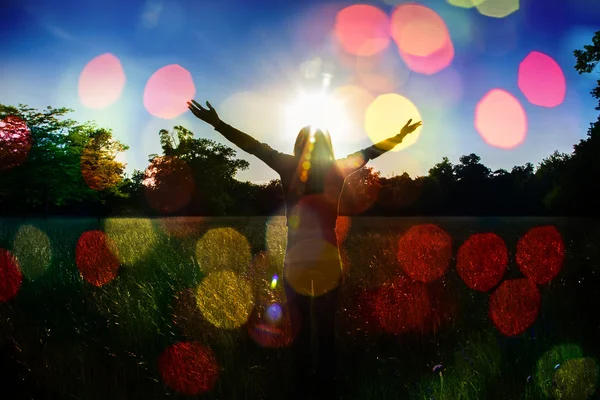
(209, 115)
(408, 128)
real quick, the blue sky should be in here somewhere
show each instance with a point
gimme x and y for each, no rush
(260, 47)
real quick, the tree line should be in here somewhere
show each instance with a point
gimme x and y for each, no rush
(53, 165)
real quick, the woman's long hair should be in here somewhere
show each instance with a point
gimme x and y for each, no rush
(314, 152)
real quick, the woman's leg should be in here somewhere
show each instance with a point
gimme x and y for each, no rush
(326, 310)
(299, 308)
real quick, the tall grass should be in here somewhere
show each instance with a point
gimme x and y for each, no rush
(63, 337)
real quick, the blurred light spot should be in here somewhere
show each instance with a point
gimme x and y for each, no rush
(422, 37)
(95, 259)
(33, 250)
(418, 30)
(500, 119)
(15, 142)
(274, 313)
(168, 184)
(130, 238)
(168, 90)
(223, 248)
(274, 282)
(497, 8)
(482, 261)
(540, 254)
(386, 116)
(313, 267)
(101, 82)
(542, 80)
(224, 299)
(465, 3)
(271, 326)
(575, 379)
(189, 368)
(424, 252)
(362, 29)
(10, 275)
(431, 64)
(401, 305)
(514, 306)
(544, 372)
(381, 73)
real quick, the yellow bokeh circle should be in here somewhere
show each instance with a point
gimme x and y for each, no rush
(386, 116)
(225, 299)
(223, 248)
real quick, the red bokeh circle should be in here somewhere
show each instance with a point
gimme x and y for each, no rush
(189, 368)
(424, 252)
(540, 254)
(10, 275)
(482, 261)
(95, 258)
(514, 306)
(15, 142)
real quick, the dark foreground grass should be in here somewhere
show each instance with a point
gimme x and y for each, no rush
(62, 337)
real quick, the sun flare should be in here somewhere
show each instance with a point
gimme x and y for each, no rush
(319, 110)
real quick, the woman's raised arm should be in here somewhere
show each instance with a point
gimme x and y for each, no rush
(359, 159)
(264, 152)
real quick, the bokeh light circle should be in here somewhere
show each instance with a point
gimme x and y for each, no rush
(101, 81)
(542, 80)
(130, 238)
(500, 119)
(33, 250)
(15, 142)
(514, 306)
(223, 249)
(545, 366)
(224, 299)
(465, 3)
(401, 305)
(168, 90)
(386, 116)
(541, 253)
(271, 326)
(189, 368)
(95, 259)
(497, 8)
(424, 252)
(422, 37)
(10, 275)
(575, 379)
(168, 184)
(362, 29)
(418, 30)
(482, 261)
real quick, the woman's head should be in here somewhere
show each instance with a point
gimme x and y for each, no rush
(315, 142)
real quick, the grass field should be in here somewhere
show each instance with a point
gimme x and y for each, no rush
(180, 307)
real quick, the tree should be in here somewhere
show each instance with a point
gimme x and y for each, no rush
(52, 174)
(203, 166)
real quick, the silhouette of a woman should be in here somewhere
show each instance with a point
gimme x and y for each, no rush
(312, 181)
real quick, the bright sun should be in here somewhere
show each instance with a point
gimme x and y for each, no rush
(318, 110)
